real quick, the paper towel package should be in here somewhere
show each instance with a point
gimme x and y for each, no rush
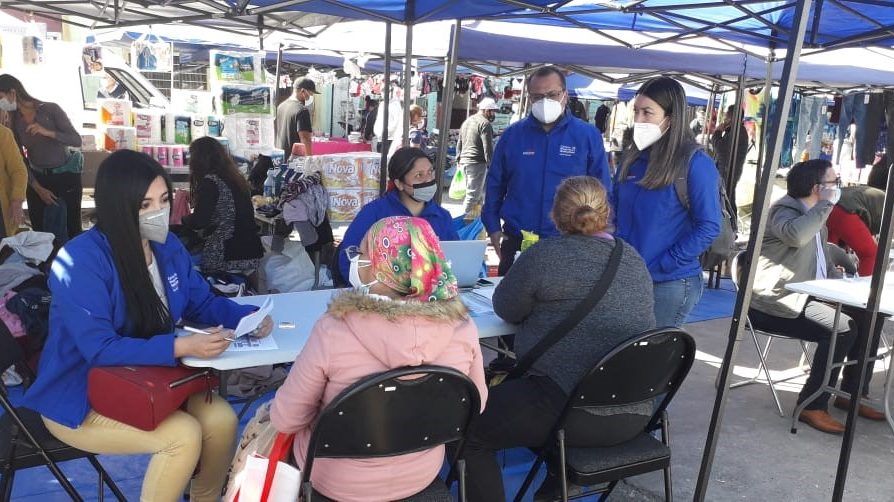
(182, 128)
(119, 138)
(344, 204)
(148, 124)
(240, 98)
(215, 126)
(340, 171)
(114, 112)
(370, 169)
(167, 131)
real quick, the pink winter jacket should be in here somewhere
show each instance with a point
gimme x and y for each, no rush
(359, 336)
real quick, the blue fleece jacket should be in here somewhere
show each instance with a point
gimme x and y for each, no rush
(88, 321)
(390, 205)
(527, 167)
(668, 237)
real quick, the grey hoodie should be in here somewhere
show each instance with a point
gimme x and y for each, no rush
(789, 255)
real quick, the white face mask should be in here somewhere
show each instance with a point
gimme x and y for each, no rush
(547, 110)
(7, 105)
(836, 194)
(354, 277)
(424, 192)
(309, 101)
(645, 134)
(154, 225)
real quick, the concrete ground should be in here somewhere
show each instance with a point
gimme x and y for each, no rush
(757, 457)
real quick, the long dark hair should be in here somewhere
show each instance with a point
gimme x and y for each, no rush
(121, 184)
(10, 83)
(669, 155)
(208, 156)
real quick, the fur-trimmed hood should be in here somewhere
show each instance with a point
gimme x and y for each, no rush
(352, 301)
(400, 333)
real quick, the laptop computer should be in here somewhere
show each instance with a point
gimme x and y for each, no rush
(465, 259)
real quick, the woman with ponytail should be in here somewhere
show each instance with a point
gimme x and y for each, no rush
(542, 288)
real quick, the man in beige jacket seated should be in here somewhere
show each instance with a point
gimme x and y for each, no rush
(795, 250)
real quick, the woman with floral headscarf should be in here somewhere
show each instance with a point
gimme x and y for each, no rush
(404, 310)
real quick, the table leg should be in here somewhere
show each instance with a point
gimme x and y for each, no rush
(222, 389)
(886, 402)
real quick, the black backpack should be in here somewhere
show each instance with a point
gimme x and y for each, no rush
(724, 244)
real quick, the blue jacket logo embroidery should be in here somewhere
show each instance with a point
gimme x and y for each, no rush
(174, 281)
(567, 151)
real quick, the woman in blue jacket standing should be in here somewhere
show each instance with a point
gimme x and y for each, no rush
(650, 215)
(411, 188)
(117, 291)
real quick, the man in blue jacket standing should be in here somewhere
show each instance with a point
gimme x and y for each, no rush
(530, 160)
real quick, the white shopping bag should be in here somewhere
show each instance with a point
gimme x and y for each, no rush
(250, 481)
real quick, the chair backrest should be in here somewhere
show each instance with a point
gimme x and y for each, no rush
(627, 391)
(400, 411)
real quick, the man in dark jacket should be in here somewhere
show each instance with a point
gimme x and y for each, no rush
(722, 143)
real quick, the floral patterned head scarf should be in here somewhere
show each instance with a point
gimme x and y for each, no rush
(406, 256)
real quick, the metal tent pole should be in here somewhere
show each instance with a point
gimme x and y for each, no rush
(709, 115)
(865, 336)
(383, 110)
(447, 107)
(408, 84)
(758, 224)
(276, 82)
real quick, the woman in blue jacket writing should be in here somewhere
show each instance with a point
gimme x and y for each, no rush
(411, 188)
(117, 291)
(650, 215)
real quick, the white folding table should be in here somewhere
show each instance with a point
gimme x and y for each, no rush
(853, 293)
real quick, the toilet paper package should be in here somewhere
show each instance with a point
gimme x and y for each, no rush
(168, 128)
(370, 169)
(162, 155)
(198, 127)
(344, 204)
(215, 126)
(240, 98)
(114, 112)
(368, 195)
(119, 138)
(176, 155)
(148, 125)
(340, 171)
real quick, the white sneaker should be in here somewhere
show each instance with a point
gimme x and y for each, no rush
(11, 378)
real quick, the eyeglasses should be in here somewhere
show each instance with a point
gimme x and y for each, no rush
(835, 183)
(354, 253)
(553, 95)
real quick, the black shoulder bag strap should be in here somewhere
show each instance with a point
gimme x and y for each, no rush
(580, 311)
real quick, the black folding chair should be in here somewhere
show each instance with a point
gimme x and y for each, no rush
(400, 411)
(593, 447)
(25, 442)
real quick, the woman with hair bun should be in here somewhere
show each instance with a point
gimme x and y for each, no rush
(541, 289)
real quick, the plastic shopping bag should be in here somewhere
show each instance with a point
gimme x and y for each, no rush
(269, 479)
(458, 184)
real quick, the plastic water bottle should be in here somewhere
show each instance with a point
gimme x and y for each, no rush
(270, 183)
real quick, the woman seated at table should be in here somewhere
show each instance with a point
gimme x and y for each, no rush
(117, 291)
(403, 311)
(796, 249)
(411, 189)
(223, 213)
(544, 285)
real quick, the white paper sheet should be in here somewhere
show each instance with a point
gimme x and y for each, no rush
(251, 322)
(248, 342)
(477, 304)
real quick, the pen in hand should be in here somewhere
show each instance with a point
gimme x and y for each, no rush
(203, 332)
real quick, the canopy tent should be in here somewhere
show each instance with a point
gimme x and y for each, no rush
(590, 88)
(695, 96)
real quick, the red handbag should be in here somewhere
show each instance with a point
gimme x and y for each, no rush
(143, 396)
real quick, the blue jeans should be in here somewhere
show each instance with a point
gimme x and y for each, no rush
(853, 108)
(811, 119)
(674, 300)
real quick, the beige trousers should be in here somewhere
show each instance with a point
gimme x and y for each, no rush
(203, 435)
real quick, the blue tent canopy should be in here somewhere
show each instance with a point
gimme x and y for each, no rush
(392, 10)
(840, 23)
